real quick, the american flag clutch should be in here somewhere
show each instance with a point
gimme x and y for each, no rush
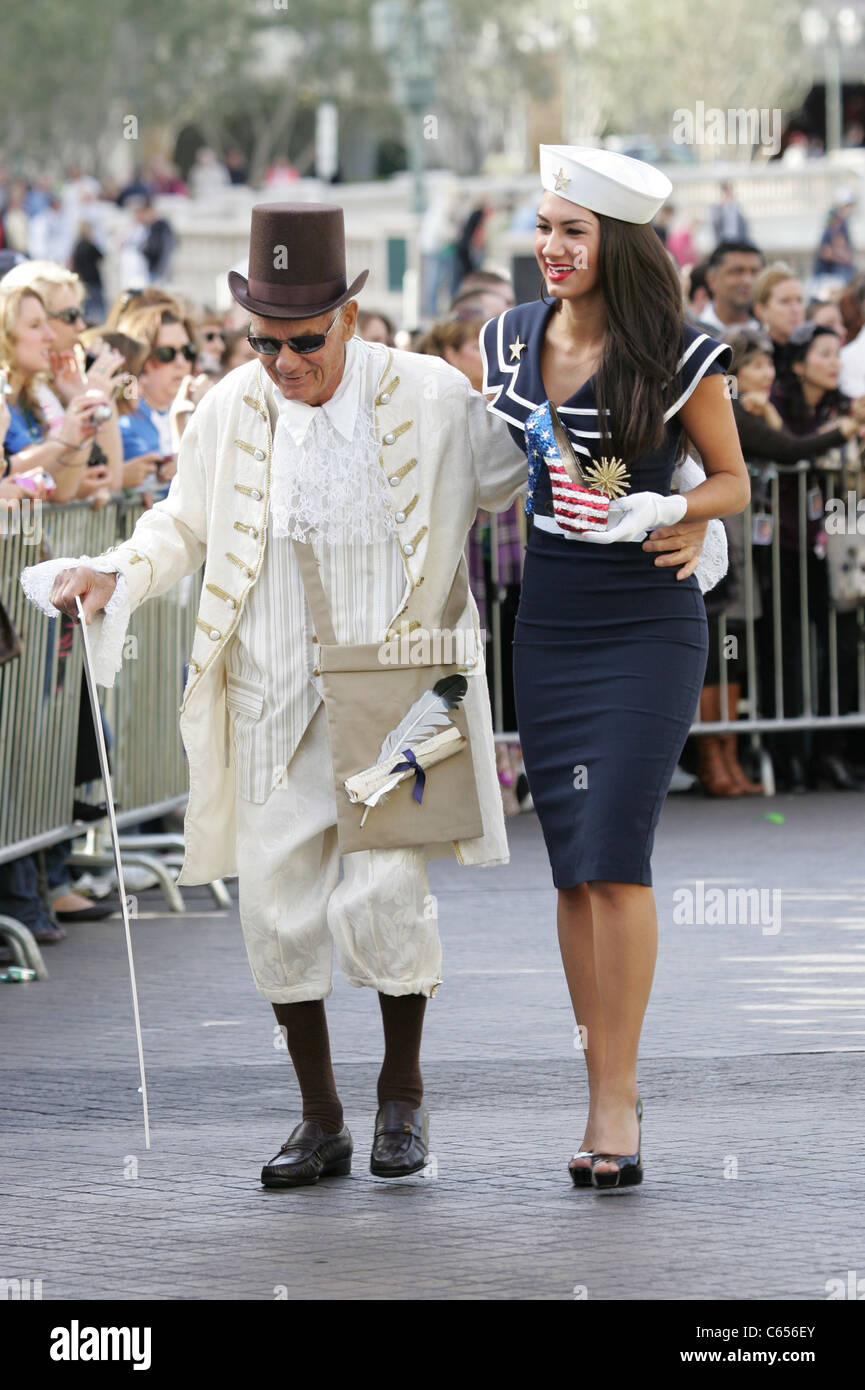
(581, 494)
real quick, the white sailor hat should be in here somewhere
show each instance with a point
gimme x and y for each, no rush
(613, 184)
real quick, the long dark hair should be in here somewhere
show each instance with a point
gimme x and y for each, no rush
(788, 394)
(643, 301)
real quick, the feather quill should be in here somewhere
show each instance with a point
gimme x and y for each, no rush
(428, 714)
(376, 797)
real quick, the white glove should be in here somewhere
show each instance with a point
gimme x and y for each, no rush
(634, 516)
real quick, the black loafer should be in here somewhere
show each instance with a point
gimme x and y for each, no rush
(309, 1153)
(93, 912)
(401, 1143)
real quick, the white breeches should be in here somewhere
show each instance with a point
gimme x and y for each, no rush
(294, 906)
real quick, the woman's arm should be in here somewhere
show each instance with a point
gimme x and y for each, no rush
(707, 418)
(62, 460)
(109, 439)
(760, 441)
(65, 454)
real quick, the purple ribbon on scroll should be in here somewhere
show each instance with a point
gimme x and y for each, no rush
(420, 775)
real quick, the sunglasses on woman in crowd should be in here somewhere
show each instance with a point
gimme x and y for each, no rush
(69, 316)
(168, 354)
(306, 342)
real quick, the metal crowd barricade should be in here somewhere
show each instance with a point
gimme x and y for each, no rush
(40, 691)
(814, 635)
(764, 631)
(41, 700)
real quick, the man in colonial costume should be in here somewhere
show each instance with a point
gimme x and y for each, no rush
(378, 460)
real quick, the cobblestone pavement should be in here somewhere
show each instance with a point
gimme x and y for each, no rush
(751, 1080)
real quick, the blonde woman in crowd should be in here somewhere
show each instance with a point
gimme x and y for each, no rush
(779, 307)
(26, 342)
(151, 432)
(62, 294)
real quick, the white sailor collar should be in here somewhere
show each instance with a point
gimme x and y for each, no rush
(511, 353)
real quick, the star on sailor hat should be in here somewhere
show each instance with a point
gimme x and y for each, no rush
(613, 184)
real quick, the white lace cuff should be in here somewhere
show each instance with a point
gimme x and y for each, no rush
(107, 630)
(712, 564)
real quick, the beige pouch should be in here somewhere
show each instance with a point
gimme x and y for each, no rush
(367, 695)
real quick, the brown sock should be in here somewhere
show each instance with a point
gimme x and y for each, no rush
(304, 1026)
(400, 1078)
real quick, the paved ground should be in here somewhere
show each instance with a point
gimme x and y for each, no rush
(751, 1079)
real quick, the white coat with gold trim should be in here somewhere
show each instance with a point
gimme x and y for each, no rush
(444, 456)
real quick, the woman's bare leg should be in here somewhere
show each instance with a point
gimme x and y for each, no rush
(625, 935)
(576, 942)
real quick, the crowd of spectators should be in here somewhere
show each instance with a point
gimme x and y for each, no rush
(797, 382)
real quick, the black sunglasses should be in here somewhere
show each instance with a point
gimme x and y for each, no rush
(307, 342)
(211, 333)
(168, 354)
(69, 316)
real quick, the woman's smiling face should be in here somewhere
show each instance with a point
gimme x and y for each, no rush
(822, 365)
(34, 338)
(567, 238)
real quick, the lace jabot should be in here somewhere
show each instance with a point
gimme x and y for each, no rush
(330, 486)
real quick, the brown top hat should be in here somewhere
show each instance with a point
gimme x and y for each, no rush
(296, 262)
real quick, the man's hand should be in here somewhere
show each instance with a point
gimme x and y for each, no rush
(93, 588)
(679, 545)
(135, 470)
(95, 480)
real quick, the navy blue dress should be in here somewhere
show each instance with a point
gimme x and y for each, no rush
(609, 648)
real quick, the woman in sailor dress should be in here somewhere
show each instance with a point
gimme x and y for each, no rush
(611, 640)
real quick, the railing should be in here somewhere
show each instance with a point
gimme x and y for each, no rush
(42, 702)
(799, 656)
(40, 692)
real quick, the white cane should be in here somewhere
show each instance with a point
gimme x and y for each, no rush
(115, 842)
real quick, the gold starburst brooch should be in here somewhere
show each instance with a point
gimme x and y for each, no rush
(609, 477)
